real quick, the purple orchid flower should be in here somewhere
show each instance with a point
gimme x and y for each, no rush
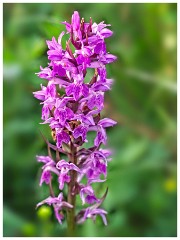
(92, 213)
(89, 193)
(45, 73)
(55, 51)
(81, 131)
(61, 137)
(48, 168)
(71, 106)
(64, 168)
(58, 205)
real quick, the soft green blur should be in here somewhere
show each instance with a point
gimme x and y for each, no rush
(142, 198)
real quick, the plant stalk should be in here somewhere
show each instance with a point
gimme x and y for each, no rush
(71, 198)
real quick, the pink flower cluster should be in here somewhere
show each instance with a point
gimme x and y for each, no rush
(71, 107)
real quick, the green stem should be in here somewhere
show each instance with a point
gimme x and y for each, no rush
(72, 198)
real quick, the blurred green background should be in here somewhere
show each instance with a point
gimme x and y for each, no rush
(142, 198)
